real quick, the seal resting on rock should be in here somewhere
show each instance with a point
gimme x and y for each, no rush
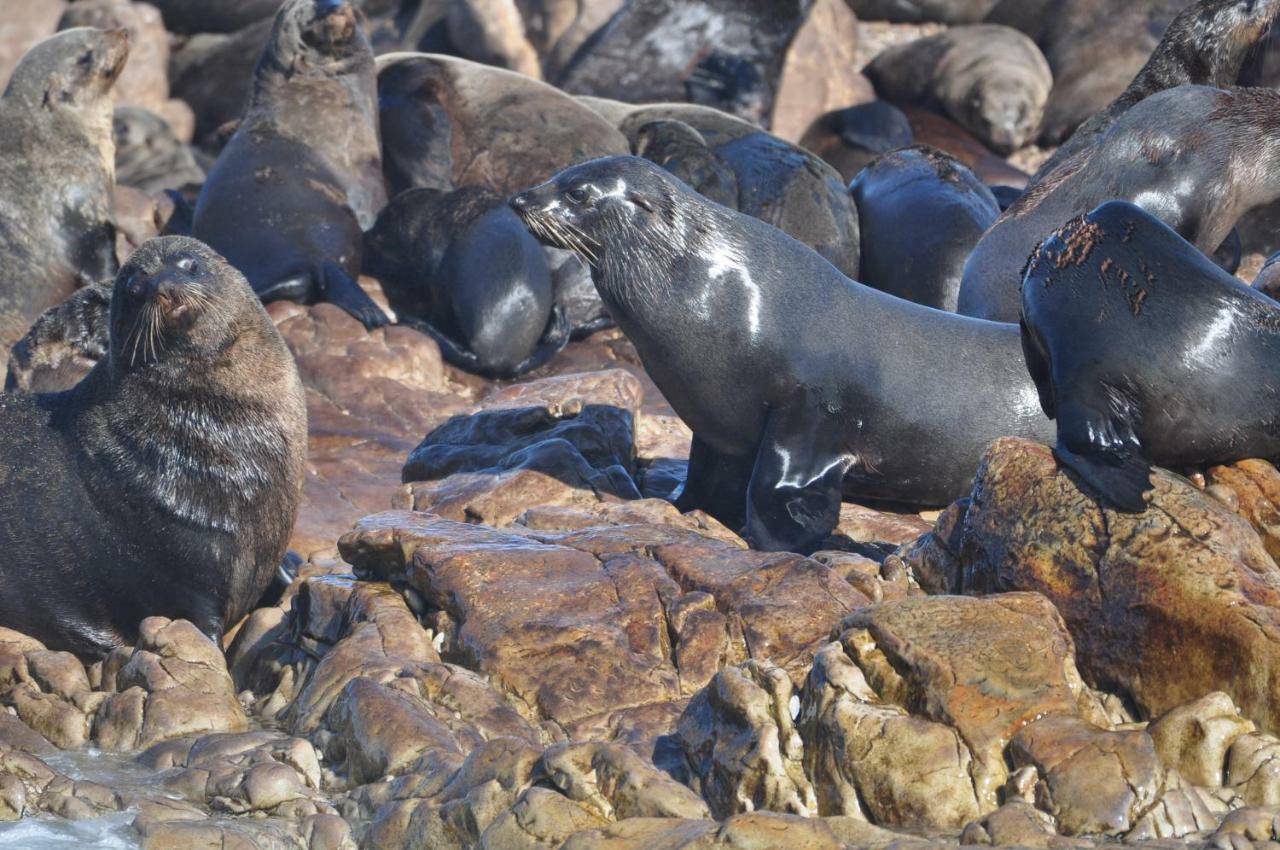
(991, 80)
(795, 379)
(290, 195)
(1145, 352)
(167, 481)
(57, 166)
(1196, 157)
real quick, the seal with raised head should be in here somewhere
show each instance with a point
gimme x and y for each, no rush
(168, 480)
(1196, 157)
(57, 165)
(289, 197)
(920, 213)
(799, 383)
(1208, 44)
(1145, 352)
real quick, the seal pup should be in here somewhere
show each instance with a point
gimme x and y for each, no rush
(1196, 157)
(798, 382)
(168, 480)
(1208, 43)
(850, 138)
(1145, 352)
(991, 80)
(920, 213)
(462, 268)
(289, 197)
(57, 167)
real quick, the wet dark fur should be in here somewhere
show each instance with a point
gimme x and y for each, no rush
(167, 481)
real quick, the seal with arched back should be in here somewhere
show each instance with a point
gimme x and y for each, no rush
(168, 480)
(1145, 352)
(799, 384)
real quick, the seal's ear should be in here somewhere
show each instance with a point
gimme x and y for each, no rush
(642, 200)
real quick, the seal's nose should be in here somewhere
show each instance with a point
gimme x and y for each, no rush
(522, 201)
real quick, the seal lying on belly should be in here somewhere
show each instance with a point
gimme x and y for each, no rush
(1145, 352)
(168, 480)
(798, 382)
(290, 195)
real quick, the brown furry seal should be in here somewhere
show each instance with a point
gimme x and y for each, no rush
(168, 480)
(57, 165)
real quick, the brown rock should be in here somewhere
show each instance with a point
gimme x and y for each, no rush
(1253, 769)
(1162, 604)
(50, 716)
(615, 783)
(869, 758)
(25, 22)
(1255, 486)
(820, 72)
(175, 683)
(740, 739)
(1194, 739)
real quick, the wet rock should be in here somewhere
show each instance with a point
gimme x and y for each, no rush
(174, 683)
(564, 441)
(1253, 491)
(50, 716)
(1020, 824)
(1253, 769)
(538, 819)
(1194, 739)
(1162, 605)
(753, 831)
(739, 737)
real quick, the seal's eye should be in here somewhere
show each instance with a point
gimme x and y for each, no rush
(577, 195)
(188, 264)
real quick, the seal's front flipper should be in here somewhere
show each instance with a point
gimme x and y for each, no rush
(297, 289)
(793, 501)
(1103, 450)
(717, 484)
(339, 289)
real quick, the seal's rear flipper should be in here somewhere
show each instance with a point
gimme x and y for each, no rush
(1103, 450)
(554, 339)
(339, 289)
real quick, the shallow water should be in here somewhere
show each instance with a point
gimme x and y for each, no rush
(109, 832)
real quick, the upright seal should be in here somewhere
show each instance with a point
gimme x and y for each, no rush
(1145, 352)
(290, 195)
(57, 167)
(168, 480)
(799, 384)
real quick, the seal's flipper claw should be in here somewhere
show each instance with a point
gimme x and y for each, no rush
(1103, 450)
(339, 289)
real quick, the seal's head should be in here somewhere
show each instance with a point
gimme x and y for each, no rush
(1209, 43)
(606, 207)
(316, 36)
(70, 70)
(177, 300)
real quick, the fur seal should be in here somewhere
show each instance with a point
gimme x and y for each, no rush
(793, 377)
(726, 54)
(917, 11)
(57, 163)
(1208, 43)
(850, 138)
(1172, 344)
(920, 213)
(462, 268)
(168, 480)
(1267, 280)
(148, 154)
(195, 16)
(991, 80)
(1194, 156)
(448, 123)
(290, 195)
